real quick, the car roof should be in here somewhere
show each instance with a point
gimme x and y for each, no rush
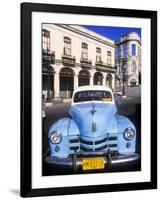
(92, 87)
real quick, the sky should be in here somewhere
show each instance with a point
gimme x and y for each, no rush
(113, 33)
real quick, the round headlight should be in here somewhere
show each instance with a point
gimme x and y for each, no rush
(129, 134)
(55, 137)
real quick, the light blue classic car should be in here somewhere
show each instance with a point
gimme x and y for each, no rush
(94, 137)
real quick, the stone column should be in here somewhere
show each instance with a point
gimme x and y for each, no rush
(91, 79)
(104, 80)
(76, 80)
(113, 81)
(56, 84)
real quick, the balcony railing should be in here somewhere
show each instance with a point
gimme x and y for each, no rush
(68, 60)
(85, 63)
(104, 66)
(48, 57)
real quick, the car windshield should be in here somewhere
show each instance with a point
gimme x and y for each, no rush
(92, 95)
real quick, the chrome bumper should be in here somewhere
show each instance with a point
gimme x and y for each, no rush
(76, 161)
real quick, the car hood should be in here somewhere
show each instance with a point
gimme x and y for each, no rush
(94, 119)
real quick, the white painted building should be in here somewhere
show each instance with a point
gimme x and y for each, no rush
(73, 56)
(128, 60)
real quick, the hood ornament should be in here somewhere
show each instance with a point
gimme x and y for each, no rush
(93, 109)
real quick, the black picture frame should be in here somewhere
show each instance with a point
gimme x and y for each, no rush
(26, 96)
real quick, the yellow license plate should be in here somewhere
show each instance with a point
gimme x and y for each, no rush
(93, 163)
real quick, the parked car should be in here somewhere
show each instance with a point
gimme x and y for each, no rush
(94, 137)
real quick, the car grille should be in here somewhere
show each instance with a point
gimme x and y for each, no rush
(90, 144)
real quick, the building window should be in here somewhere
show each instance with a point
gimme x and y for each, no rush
(124, 51)
(67, 46)
(84, 51)
(133, 50)
(109, 57)
(98, 55)
(133, 67)
(45, 40)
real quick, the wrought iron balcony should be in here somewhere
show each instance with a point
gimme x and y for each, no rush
(48, 57)
(101, 66)
(68, 60)
(85, 63)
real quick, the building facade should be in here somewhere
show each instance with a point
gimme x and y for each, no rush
(74, 56)
(128, 61)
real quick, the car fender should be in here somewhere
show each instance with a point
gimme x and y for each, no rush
(124, 146)
(67, 127)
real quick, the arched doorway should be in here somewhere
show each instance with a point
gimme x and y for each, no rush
(98, 78)
(83, 78)
(133, 83)
(109, 80)
(47, 82)
(66, 82)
